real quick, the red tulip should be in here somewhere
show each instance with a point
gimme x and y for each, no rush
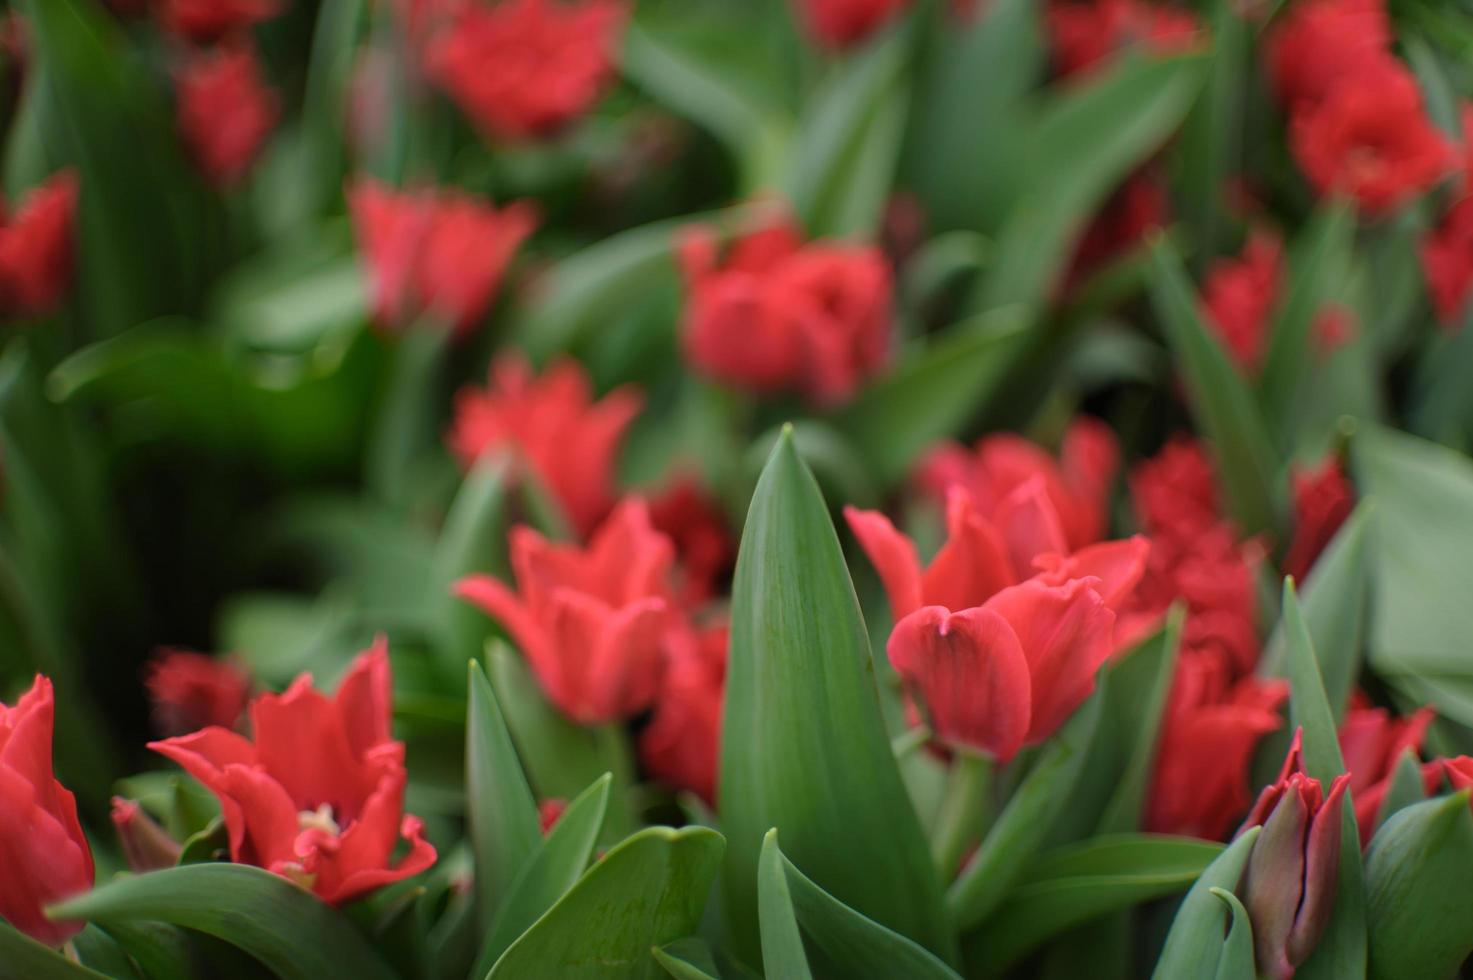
(1370, 138)
(1138, 207)
(703, 543)
(146, 845)
(1210, 729)
(1447, 261)
(1238, 298)
(225, 111)
(318, 796)
(438, 252)
(842, 23)
(191, 691)
(1009, 672)
(555, 428)
(1323, 499)
(1077, 485)
(205, 21)
(1085, 33)
(526, 68)
(681, 746)
(1289, 885)
(1372, 742)
(550, 811)
(1316, 43)
(46, 856)
(775, 313)
(36, 247)
(591, 622)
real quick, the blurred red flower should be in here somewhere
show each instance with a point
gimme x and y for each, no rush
(439, 252)
(1137, 207)
(225, 111)
(1323, 499)
(1238, 297)
(46, 854)
(1209, 731)
(553, 426)
(681, 745)
(1316, 43)
(842, 23)
(1083, 34)
(36, 247)
(1447, 263)
(592, 622)
(191, 691)
(1369, 137)
(318, 797)
(525, 68)
(703, 543)
(1372, 742)
(205, 21)
(775, 313)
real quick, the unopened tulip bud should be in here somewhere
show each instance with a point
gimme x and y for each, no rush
(146, 845)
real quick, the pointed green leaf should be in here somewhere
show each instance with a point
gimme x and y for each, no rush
(1407, 787)
(161, 951)
(287, 929)
(549, 873)
(1194, 945)
(1334, 612)
(647, 891)
(22, 958)
(799, 672)
(931, 393)
(1210, 146)
(1421, 909)
(1024, 824)
(1237, 949)
(472, 540)
(1224, 408)
(1156, 659)
(687, 959)
(782, 945)
(501, 812)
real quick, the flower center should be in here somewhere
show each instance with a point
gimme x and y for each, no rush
(319, 819)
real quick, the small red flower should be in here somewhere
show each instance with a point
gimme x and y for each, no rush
(522, 69)
(1323, 499)
(1370, 138)
(703, 543)
(225, 111)
(1077, 485)
(1447, 263)
(1083, 34)
(36, 247)
(1316, 43)
(1175, 492)
(1138, 207)
(318, 796)
(592, 622)
(205, 21)
(1238, 297)
(1289, 884)
(1208, 735)
(1372, 742)
(437, 252)
(555, 428)
(191, 691)
(681, 746)
(843, 23)
(775, 313)
(549, 812)
(46, 855)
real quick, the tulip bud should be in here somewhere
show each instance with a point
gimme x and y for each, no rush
(146, 845)
(1292, 875)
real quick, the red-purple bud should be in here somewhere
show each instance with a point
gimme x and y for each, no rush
(146, 845)
(1292, 875)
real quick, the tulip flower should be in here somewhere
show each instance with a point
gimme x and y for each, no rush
(1009, 672)
(1289, 885)
(318, 796)
(146, 845)
(1316, 43)
(703, 543)
(554, 426)
(592, 621)
(1372, 742)
(842, 23)
(681, 744)
(1083, 34)
(45, 855)
(225, 111)
(1447, 262)
(36, 247)
(206, 21)
(191, 691)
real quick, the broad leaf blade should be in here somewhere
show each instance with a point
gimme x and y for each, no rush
(1194, 945)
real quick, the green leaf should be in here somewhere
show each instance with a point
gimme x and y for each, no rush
(856, 946)
(550, 872)
(1237, 950)
(1317, 266)
(1421, 910)
(1224, 409)
(646, 892)
(472, 540)
(782, 945)
(1210, 146)
(501, 813)
(1156, 660)
(1024, 824)
(161, 951)
(22, 958)
(1406, 787)
(1081, 882)
(1081, 147)
(799, 671)
(1334, 611)
(287, 929)
(687, 959)
(932, 393)
(1194, 947)
(1341, 951)
(404, 430)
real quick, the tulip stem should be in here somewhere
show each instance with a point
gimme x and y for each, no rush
(963, 814)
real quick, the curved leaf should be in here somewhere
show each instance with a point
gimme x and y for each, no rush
(1194, 945)
(1237, 950)
(782, 945)
(22, 958)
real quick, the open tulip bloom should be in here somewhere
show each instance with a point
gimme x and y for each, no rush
(800, 489)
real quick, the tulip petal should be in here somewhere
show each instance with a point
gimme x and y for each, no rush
(1030, 525)
(1321, 873)
(892, 554)
(365, 698)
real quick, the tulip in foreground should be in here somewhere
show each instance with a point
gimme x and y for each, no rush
(318, 796)
(43, 855)
(1291, 876)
